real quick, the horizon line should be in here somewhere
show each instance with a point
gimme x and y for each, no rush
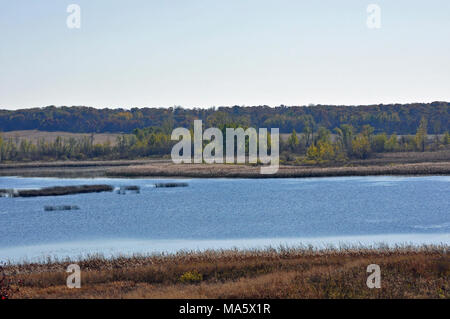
(214, 106)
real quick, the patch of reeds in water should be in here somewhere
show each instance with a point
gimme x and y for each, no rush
(158, 185)
(56, 191)
(61, 208)
(124, 189)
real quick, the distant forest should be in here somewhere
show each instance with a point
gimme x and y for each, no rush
(395, 118)
(372, 129)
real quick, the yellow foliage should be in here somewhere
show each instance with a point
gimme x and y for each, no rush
(125, 115)
(324, 151)
(191, 277)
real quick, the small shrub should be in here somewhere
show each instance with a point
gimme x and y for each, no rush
(191, 277)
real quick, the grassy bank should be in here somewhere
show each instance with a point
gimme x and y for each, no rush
(246, 171)
(70, 169)
(403, 163)
(408, 272)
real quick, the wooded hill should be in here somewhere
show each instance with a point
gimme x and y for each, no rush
(393, 118)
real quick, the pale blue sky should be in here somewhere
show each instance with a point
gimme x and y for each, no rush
(231, 52)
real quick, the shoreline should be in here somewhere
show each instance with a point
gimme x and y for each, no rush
(253, 172)
(128, 247)
(166, 169)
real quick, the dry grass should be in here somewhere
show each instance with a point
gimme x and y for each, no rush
(246, 171)
(68, 169)
(405, 158)
(426, 163)
(164, 168)
(406, 272)
(35, 135)
(78, 164)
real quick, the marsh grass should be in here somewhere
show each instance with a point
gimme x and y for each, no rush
(407, 272)
(60, 190)
(400, 163)
(247, 171)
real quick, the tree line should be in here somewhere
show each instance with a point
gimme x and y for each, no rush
(312, 145)
(393, 118)
(141, 143)
(346, 143)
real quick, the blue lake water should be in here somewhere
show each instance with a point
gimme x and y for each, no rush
(224, 213)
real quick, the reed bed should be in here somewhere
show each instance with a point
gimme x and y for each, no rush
(247, 171)
(400, 163)
(407, 272)
(165, 185)
(57, 191)
(75, 164)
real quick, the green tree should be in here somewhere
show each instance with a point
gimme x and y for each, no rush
(326, 151)
(308, 134)
(446, 138)
(367, 130)
(293, 141)
(378, 142)
(345, 134)
(323, 134)
(421, 135)
(312, 153)
(391, 144)
(361, 147)
(321, 152)
(1, 147)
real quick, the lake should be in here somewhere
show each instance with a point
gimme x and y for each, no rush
(224, 213)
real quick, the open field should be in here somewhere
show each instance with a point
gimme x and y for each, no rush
(285, 136)
(406, 272)
(35, 135)
(404, 158)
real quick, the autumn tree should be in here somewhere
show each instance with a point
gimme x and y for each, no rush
(293, 141)
(391, 144)
(446, 138)
(1, 147)
(361, 147)
(347, 136)
(378, 142)
(323, 151)
(323, 134)
(421, 135)
(308, 135)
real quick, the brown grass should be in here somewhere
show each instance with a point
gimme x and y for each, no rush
(405, 158)
(68, 169)
(246, 171)
(407, 272)
(35, 135)
(410, 163)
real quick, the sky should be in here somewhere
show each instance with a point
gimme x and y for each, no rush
(204, 53)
